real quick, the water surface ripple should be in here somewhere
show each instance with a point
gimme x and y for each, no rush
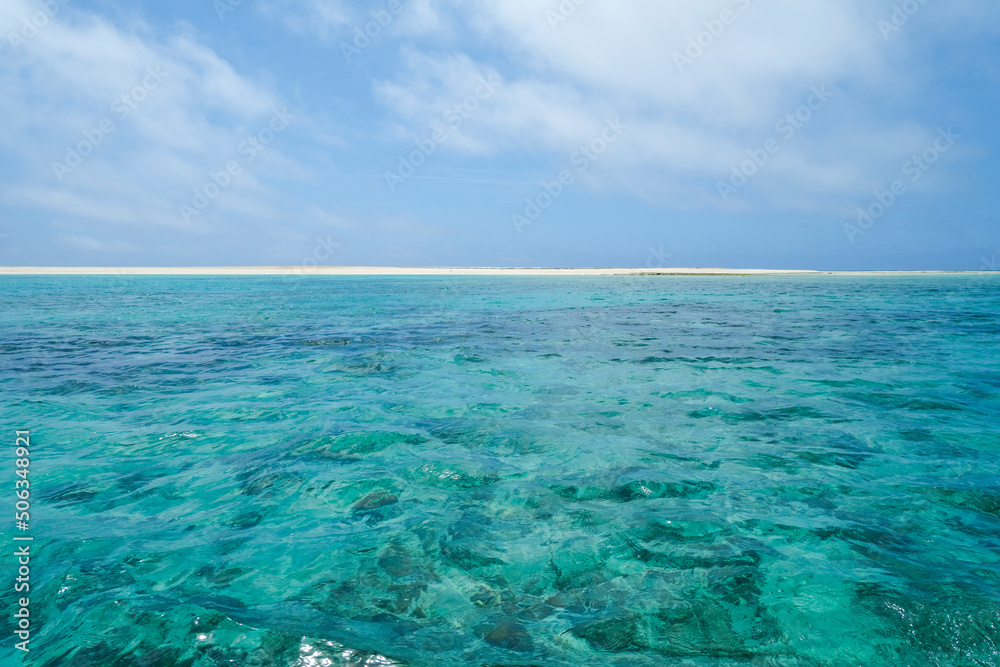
(416, 471)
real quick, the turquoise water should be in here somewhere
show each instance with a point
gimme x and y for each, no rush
(507, 471)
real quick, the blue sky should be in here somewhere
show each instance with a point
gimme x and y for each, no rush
(729, 133)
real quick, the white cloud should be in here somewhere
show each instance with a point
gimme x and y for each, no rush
(479, 111)
(692, 114)
(422, 17)
(155, 117)
(66, 202)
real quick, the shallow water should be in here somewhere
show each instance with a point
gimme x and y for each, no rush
(508, 471)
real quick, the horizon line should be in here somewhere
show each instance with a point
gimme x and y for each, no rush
(447, 270)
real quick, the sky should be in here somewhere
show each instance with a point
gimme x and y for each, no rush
(856, 134)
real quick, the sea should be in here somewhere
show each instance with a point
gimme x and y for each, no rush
(499, 471)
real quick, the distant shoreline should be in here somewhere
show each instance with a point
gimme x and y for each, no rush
(437, 271)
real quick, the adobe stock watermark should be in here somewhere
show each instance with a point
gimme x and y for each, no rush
(786, 128)
(657, 258)
(581, 158)
(22, 516)
(122, 107)
(714, 29)
(914, 169)
(249, 148)
(223, 7)
(901, 14)
(562, 13)
(32, 24)
(991, 264)
(363, 35)
(321, 253)
(454, 117)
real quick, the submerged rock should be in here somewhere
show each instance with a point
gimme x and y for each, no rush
(509, 634)
(612, 635)
(375, 500)
(397, 561)
(272, 482)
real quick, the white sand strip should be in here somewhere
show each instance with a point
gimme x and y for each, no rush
(428, 271)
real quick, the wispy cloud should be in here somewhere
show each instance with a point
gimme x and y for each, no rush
(689, 126)
(82, 242)
(323, 18)
(138, 118)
